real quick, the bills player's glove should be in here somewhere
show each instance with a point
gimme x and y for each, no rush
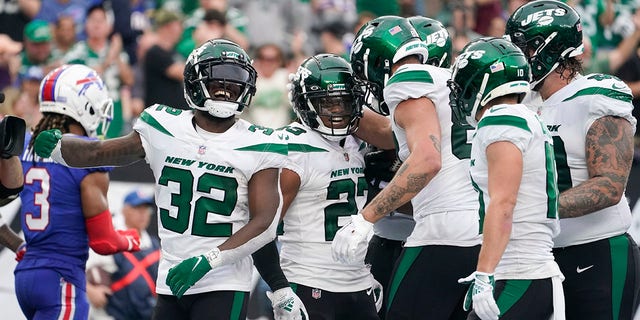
(132, 237)
(181, 277)
(12, 136)
(22, 249)
(287, 305)
(46, 142)
(350, 243)
(481, 292)
(378, 294)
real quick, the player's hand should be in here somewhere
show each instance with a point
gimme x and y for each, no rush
(132, 237)
(22, 249)
(289, 86)
(12, 136)
(378, 294)
(287, 305)
(46, 142)
(186, 274)
(481, 292)
(350, 243)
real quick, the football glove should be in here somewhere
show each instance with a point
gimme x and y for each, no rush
(481, 293)
(189, 271)
(378, 294)
(46, 142)
(287, 305)
(380, 165)
(350, 243)
(12, 136)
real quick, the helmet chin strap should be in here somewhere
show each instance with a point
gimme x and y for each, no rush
(221, 109)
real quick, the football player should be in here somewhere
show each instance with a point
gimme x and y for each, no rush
(390, 57)
(514, 173)
(322, 184)
(217, 187)
(65, 211)
(589, 117)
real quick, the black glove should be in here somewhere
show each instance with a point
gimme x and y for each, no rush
(380, 165)
(12, 131)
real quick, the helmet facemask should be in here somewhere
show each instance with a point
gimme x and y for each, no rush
(219, 79)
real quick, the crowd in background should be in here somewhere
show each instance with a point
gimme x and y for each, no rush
(139, 47)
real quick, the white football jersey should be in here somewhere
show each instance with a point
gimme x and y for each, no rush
(446, 210)
(332, 188)
(201, 188)
(535, 218)
(568, 114)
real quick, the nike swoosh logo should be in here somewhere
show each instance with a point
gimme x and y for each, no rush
(198, 262)
(369, 291)
(492, 110)
(581, 270)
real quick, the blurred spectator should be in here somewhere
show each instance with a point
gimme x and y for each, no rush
(335, 38)
(327, 13)
(285, 18)
(486, 11)
(212, 26)
(131, 20)
(234, 30)
(52, 9)
(9, 49)
(37, 49)
(14, 16)
(460, 27)
(131, 293)
(615, 22)
(270, 106)
(64, 36)
(608, 61)
(106, 56)
(138, 104)
(26, 105)
(163, 66)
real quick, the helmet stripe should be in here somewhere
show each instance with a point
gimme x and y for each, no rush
(48, 89)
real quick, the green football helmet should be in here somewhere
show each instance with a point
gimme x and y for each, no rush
(324, 88)
(380, 43)
(437, 38)
(486, 68)
(548, 32)
(219, 79)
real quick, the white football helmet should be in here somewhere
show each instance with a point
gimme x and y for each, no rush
(77, 91)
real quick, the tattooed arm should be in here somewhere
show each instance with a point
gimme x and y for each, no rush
(609, 153)
(111, 152)
(419, 119)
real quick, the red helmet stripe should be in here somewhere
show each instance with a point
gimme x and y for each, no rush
(48, 89)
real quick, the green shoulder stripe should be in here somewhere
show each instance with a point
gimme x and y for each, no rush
(300, 147)
(613, 94)
(504, 121)
(146, 117)
(411, 76)
(266, 147)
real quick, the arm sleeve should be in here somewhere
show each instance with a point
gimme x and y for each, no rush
(267, 261)
(103, 238)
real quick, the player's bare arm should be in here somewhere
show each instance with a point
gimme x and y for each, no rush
(419, 119)
(609, 153)
(264, 202)
(290, 185)
(111, 152)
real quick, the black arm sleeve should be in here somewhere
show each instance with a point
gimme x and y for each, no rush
(267, 261)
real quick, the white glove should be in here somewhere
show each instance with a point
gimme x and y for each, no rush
(287, 305)
(378, 294)
(481, 292)
(292, 77)
(350, 243)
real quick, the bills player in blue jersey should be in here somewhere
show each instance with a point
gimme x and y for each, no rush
(65, 211)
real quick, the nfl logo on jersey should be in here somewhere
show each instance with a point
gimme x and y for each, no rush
(202, 150)
(346, 156)
(316, 293)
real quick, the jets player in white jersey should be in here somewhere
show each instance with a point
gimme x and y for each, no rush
(513, 170)
(323, 184)
(217, 188)
(589, 117)
(388, 54)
